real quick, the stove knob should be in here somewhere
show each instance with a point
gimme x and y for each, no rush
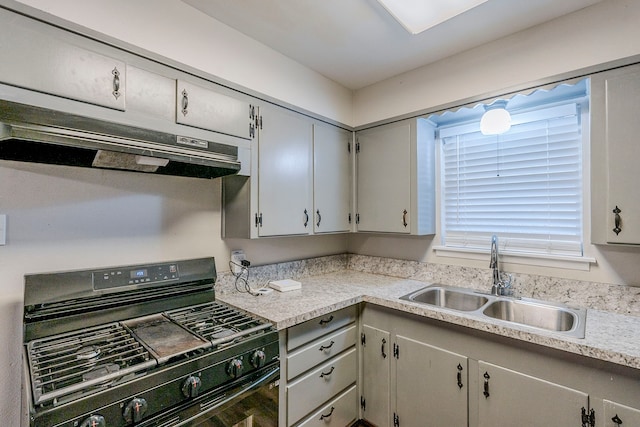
(134, 410)
(191, 386)
(234, 369)
(257, 359)
(94, 421)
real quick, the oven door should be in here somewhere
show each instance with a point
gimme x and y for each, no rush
(251, 401)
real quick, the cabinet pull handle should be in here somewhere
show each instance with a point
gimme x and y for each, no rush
(617, 220)
(326, 374)
(322, 416)
(326, 347)
(486, 385)
(306, 218)
(116, 82)
(185, 102)
(616, 419)
(459, 376)
(319, 218)
(404, 218)
(324, 322)
(384, 355)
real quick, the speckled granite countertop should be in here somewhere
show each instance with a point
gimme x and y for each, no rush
(609, 336)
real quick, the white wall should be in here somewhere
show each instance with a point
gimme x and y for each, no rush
(604, 32)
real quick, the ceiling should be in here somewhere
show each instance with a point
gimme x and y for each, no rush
(357, 43)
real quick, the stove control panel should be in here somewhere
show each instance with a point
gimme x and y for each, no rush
(135, 276)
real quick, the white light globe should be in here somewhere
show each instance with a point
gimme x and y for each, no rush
(495, 121)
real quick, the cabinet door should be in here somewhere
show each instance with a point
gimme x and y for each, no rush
(376, 371)
(331, 179)
(509, 398)
(617, 415)
(384, 179)
(203, 108)
(615, 154)
(40, 61)
(284, 173)
(431, 385)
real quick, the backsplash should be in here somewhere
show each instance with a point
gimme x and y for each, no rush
(600, 296)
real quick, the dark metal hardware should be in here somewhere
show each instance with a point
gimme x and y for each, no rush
(259, 122)
(306, 218)
(322, 416)
(326, 347)
(349, 217)
(363, 339)
(185, 102)
(384, 355)
(396, 420)
(252, 112)
(363, 403)
(396, 350)
(319, 218)
(404, 218)
(326, 374)
(357, 218)
(116, 82)
(459, 376)
(252, 131)
(357, 147)
(617, 220)
(486, 385)
(349, 147)
(324, 322)
(258, 220)
(616, 419)
(588, 419)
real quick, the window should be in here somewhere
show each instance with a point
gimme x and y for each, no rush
(524, 185)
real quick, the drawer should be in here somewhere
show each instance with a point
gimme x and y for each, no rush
(320, 350)
(320, 385)
(315, 328)
(340, 412)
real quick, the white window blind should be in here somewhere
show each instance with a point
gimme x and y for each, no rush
(524, 185)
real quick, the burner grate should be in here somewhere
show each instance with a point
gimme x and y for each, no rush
(83, 361)
(219, 323)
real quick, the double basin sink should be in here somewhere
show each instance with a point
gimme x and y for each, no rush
(531, 313)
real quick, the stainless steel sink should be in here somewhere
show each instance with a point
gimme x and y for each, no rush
(530, 313)
(447, 297)
(538, 315)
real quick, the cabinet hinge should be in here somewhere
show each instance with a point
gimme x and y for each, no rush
(258, 221)
(357, 147)
(252, 131)
(363, 403)
(357, 218)
(349, 147)
(363, 339)
(252, 111)
(349, 217)
(396, 350)
(396, 420)
(588, 418)
(259, 122)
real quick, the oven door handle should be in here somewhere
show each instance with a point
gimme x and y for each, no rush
(228, 396)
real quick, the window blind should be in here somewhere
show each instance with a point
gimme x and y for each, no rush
(524, 185)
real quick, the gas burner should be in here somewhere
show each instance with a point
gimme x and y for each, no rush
(101, 371)
(91, 353)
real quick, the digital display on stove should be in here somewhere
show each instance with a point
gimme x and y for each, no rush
(137, 274)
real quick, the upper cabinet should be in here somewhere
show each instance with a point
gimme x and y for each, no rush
(35, 60)
(206, 109)
(396, 178)
(615, 207)
(331, 179)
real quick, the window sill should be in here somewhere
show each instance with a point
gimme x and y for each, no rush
(540, 260)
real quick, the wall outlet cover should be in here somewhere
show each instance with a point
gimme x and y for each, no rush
(237, 256)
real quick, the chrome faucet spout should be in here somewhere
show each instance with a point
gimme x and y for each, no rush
(497, 288)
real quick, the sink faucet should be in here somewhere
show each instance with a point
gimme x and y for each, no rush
(499, 286)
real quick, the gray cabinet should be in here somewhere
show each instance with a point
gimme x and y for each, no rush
(320, 371)
(40, 61)
(207, 109)
(396, 178)
(331, 179)
(618, 415)
(375, 383)
(615, 205)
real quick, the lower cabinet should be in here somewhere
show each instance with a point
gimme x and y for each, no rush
(320, 371)
(418, 372)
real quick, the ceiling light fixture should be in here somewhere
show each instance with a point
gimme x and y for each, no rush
(417, 16)
(496, 119)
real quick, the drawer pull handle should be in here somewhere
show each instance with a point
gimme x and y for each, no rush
(486, 385)
(326, 374)
(322, 416)
(326, 347)
(116, 83)
(324, 322)
(615, 419)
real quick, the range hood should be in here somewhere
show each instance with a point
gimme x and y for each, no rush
(34, 134)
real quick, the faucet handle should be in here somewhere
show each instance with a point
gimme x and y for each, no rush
(506, 289)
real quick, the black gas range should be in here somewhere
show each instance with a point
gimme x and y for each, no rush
(144, 345)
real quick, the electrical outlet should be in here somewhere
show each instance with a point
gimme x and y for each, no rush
(237, 256)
